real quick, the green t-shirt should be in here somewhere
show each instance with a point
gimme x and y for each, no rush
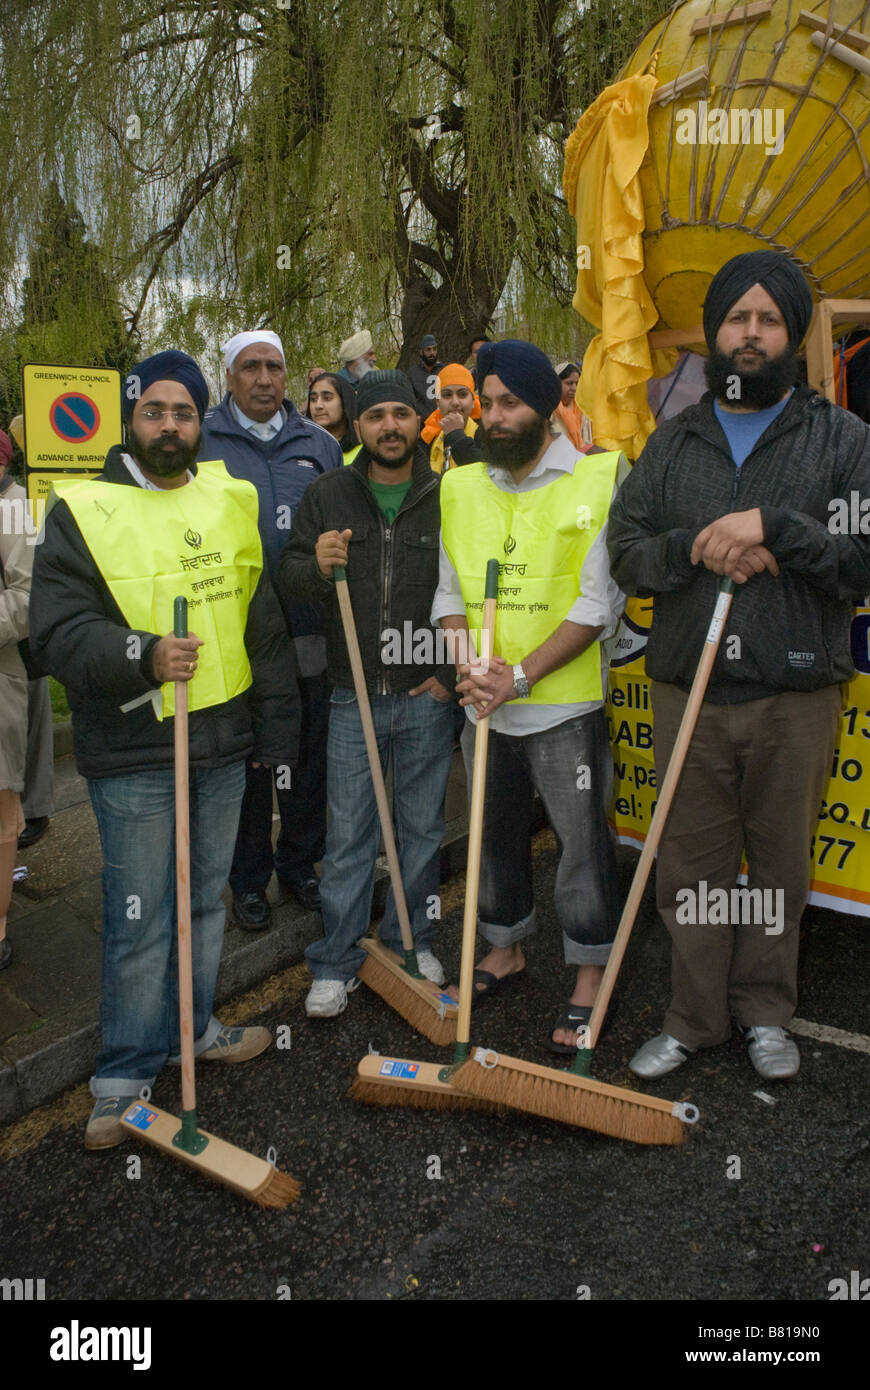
(389, 497)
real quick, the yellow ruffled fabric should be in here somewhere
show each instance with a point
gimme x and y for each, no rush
(602, 188)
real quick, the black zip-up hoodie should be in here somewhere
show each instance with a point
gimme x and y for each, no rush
(392, 573)
(79, 635)
(794, 629)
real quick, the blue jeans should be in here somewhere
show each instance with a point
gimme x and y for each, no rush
(139, 1002)
(570, 767)
(417, 732)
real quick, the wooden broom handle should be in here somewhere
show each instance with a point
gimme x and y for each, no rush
(663, 806)
(475, 822)
(365, 710)
(182, 877)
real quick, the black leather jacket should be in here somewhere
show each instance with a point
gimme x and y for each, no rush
(392, 573)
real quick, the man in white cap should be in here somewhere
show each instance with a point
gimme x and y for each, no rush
(356, 356)
(261, 437)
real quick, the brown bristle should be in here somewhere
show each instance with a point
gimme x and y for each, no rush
(417, 1011)
(372, 1092)
(279, 1191)
(575, 1101)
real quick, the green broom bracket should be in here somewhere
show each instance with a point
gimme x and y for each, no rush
(188, 1137)
(461, 1053)
(411, 967)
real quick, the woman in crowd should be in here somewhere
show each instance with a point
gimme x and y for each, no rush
(332, 405)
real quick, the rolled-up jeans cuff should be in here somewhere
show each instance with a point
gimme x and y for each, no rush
(202, 1044)
(578, 954)
(104, 1086)
(508, 936)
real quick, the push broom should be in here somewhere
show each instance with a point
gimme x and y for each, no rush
(571, 1096)
(429, 1085)
(254, 1178)
(399, 982)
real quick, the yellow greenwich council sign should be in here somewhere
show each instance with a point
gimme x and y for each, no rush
(72, 417)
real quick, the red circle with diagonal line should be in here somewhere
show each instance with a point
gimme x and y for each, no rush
(74, 417)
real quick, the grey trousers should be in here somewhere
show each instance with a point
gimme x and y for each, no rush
(37, 799)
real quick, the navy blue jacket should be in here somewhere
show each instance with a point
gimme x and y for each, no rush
(280, 471)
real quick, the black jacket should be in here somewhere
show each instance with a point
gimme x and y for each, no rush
(392, 572)
(424, 380)
(794, 629)
(79, 636)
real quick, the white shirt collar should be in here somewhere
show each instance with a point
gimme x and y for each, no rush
(139, 477)
(258, 427)
(560, 457)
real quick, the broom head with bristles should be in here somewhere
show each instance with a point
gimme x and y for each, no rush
(573, 1100)
(398, 1081)
(421, 1003)
(254, 1178)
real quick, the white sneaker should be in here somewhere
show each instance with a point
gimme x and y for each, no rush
(328, 998)
(431, 967)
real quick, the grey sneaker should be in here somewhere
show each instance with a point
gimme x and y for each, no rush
(104, 1129)
(431, 967)
(772, 1053)
(659, 1056)
(328, 998)
(237, 1045)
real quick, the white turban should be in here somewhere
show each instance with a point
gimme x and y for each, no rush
(355, 346)
(235, 345)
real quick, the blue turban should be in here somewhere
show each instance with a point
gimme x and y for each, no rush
(526, 371)
(784, 282)
(164, 366)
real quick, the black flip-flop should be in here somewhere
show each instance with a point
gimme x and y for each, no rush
(574, 1017)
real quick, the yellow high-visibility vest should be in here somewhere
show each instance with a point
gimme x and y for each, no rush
(436, 452)
(350, 454)
(201, 541)
(541, 539)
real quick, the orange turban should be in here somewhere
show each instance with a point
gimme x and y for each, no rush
(451, 375)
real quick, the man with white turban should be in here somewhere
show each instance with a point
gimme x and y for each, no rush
(356, 356)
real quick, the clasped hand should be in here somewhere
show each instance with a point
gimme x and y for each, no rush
(733, 545)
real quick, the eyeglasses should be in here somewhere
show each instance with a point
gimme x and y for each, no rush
(184, 416)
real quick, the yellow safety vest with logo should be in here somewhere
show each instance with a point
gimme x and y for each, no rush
(200, 540)
(541, 539)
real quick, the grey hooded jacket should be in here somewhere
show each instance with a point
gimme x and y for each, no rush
(793, 629)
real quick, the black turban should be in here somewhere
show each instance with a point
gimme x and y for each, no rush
(164, 366)
(526, 371)
(785, 284)
(376, 388)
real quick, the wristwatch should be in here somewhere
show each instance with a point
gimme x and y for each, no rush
(521, 684)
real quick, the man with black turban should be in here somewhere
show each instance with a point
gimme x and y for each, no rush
(539, 506)
(117, 551)
(744, 484)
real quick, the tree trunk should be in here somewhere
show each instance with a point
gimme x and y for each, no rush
(454, 315)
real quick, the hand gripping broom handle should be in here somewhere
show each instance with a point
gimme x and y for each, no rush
(188, 1137)
(475, 831)
(663, 806)
(365, 710)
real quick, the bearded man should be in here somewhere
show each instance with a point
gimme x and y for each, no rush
(379, 518)
(117, 551)
(742, 484)
(541, 507)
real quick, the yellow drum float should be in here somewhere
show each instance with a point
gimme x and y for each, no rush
(759, 138)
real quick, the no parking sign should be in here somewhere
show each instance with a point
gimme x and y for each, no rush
(72, 417)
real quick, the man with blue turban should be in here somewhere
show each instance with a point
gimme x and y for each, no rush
(539, 506)
(745, 484)
(117, 551)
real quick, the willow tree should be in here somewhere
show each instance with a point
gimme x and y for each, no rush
(308, 164)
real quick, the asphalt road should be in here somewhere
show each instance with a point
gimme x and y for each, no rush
(524, 1208)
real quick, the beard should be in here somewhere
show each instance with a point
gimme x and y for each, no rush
(162, 462)
(395, 463)
(515, 450)
(760, 387)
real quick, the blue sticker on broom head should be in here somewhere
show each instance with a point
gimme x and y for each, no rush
(141, 1116)
(446, 999)
(405, 1070)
